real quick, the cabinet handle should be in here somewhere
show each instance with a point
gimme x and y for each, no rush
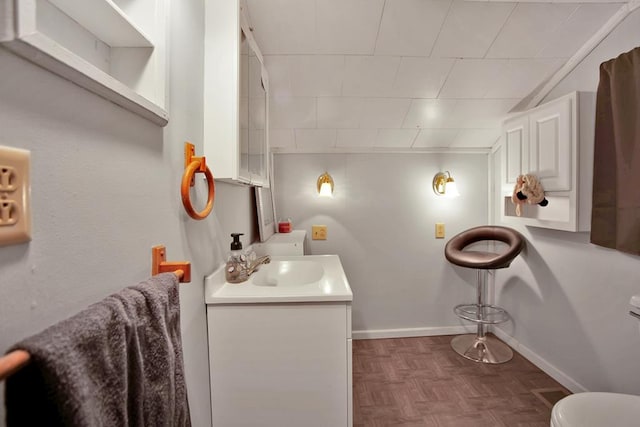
(195, 165)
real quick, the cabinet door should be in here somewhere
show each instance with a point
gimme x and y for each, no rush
(257, 122)
(288, 368)
(244, 121)
(551, 144)
(516, 151)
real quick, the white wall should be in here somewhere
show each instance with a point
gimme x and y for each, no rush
(105, 189)
(381, 222)
(569, 298)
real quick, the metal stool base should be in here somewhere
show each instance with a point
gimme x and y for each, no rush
(486, 349)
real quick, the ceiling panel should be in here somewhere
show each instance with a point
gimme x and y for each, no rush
(479, 113)
(292, 112)
(520, 76)
(315, 138)
(435, 138)
(469, 78)
(281, 138)
(419, 77)
(475, 138)
(316, 75)
(529, 29)
(576, 31)
(395, 138)
(470, 28)
(410, 73)
(305, 75)
(429, 113)
(339, 113)
(410, 27)
(383, 113)
(347, 26)
(284, 26)
(369, 75)
(356, 137)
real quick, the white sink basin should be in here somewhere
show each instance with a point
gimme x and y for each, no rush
(310, 278)
(288, 273)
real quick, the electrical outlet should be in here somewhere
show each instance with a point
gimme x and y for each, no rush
(439, 230)
(15, 215)
(319, 232)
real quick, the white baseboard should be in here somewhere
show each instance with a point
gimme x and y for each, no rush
(546, 367)
(412, 332)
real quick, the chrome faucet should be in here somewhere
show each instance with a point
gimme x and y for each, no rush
(255, 264)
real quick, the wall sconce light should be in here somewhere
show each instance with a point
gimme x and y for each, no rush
(325, 185)
(444, 185)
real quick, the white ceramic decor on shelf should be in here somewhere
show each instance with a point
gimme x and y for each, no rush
(113, 49)
(553, 141)
(236, 93)
(280, 345)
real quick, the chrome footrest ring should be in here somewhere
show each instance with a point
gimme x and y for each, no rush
(486, 314)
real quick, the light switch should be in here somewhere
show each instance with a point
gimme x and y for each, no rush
(15, 216)
(439, 230)
(319, 232)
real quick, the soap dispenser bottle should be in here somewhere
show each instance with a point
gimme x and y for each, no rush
(236, 268)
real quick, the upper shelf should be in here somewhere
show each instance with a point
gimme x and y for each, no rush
(106, 21)
(96, 45)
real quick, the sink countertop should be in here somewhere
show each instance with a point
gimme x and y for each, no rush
(333, 286)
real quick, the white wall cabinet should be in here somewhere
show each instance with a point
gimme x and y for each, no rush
(236, 93)
(516, 148)
(114, 48)
(553, 141)
(286, 364)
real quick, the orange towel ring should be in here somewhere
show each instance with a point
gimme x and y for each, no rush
(192, 166)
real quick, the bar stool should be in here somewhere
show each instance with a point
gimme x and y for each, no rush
(480, 347)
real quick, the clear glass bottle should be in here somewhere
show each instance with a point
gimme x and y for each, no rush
(236, 268)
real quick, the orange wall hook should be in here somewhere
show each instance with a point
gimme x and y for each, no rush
(182, 269)
(192, 166)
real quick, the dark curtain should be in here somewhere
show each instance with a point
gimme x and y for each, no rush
(615, 218)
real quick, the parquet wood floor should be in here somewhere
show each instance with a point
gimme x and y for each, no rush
(423, 382)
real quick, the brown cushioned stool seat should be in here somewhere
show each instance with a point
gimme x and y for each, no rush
(480, 347)
(455, 254)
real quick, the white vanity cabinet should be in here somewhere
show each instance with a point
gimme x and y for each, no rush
(279, 365)
(553, 141)
(280, 353)
(236, 94)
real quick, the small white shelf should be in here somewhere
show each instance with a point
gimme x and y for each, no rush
(96, 45)
(560, 214)
(106, 21)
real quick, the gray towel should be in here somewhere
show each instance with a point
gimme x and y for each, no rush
(117, 363)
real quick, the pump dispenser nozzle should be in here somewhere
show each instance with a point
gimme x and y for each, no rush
(236, 245)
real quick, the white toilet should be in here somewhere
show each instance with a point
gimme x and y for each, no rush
(595, 409)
